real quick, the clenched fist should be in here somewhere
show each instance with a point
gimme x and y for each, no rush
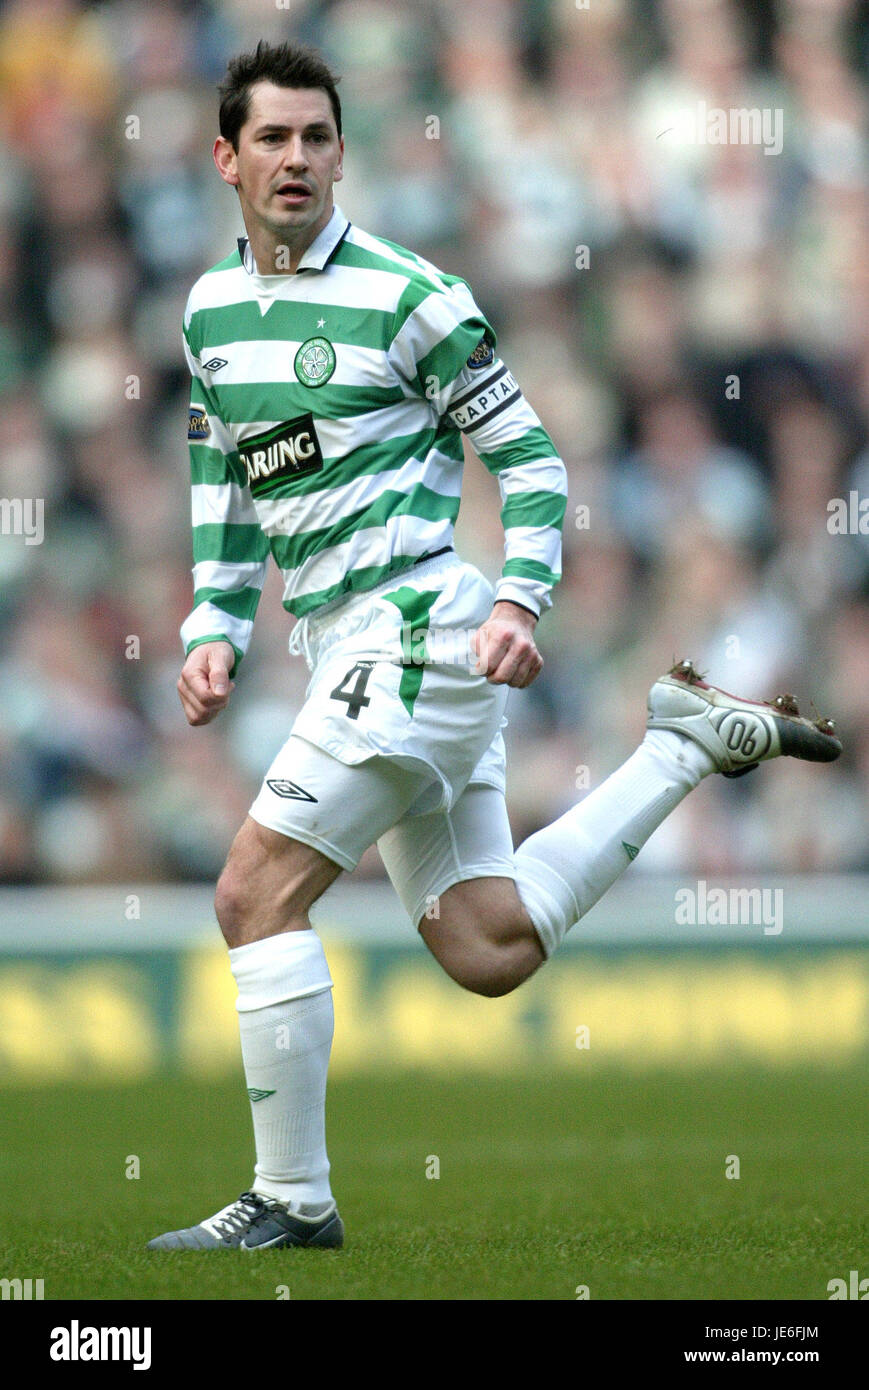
(204, 684)
(506, 648)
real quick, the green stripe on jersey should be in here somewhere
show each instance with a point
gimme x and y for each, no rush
(238, 603)
(290, 321)
(291, 552)
(533, 509)
(284, 400)
(529, 569)
(401, 263)
(237, 543)
(530, 447)
(356, 581)
(441, 362)
(209, 465)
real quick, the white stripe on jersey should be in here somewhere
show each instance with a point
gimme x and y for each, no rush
(223, 574)
(268, 360)
(532, 543)
(217, 503)
(543, 475)
(345, 287)
(288, 516)
(207, 620)
(337, 436)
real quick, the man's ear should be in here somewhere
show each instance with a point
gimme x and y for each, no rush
(226, 160)
(339, 172)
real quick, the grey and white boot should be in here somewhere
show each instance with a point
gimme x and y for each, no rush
(256, 1222)
(738, 734)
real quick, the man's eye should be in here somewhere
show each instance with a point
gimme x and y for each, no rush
(319, 137)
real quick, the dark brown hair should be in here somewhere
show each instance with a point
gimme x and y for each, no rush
(286, 65)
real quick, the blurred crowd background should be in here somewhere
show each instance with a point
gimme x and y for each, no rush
(703, 367)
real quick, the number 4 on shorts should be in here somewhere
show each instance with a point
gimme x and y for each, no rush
(355, 698)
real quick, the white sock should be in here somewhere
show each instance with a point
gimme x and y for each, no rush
(565, 868)
(286, 1022)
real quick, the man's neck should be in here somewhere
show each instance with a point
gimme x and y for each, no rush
(280, 253)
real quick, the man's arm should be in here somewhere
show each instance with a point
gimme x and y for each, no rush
(445, 349)
(230, 558)
(487, 405)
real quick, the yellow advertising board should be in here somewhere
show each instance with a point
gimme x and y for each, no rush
(127, 1016)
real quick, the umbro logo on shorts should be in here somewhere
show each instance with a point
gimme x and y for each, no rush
(290, 790)
(282, 454)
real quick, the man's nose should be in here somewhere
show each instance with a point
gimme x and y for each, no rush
(294, 154)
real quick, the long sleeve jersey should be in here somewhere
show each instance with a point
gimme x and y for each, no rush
(326, 418)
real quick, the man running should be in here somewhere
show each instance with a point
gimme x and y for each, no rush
(334, 377)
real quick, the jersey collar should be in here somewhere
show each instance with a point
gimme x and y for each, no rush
(318, 254)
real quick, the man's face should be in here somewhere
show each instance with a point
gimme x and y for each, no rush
(289, 154)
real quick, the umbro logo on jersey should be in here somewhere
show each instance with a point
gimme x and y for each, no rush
(287, 452)
(290, 790)
(214, 364)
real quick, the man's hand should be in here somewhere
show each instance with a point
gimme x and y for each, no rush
(506, 648)
(204, 684)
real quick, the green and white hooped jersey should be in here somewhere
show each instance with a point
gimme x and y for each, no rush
(326, 419)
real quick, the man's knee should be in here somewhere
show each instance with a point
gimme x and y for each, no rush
(483, 937)
(493, 973)
(268, 884)
(232, 900)
(238, 881)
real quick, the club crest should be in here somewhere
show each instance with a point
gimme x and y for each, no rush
(315, 362)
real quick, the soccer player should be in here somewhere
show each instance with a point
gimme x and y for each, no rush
(334, 376)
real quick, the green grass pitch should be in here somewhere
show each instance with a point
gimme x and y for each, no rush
(547, 1183)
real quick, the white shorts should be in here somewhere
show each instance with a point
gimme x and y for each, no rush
(396, 724)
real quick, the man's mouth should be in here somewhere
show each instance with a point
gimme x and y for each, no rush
(293, 191)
